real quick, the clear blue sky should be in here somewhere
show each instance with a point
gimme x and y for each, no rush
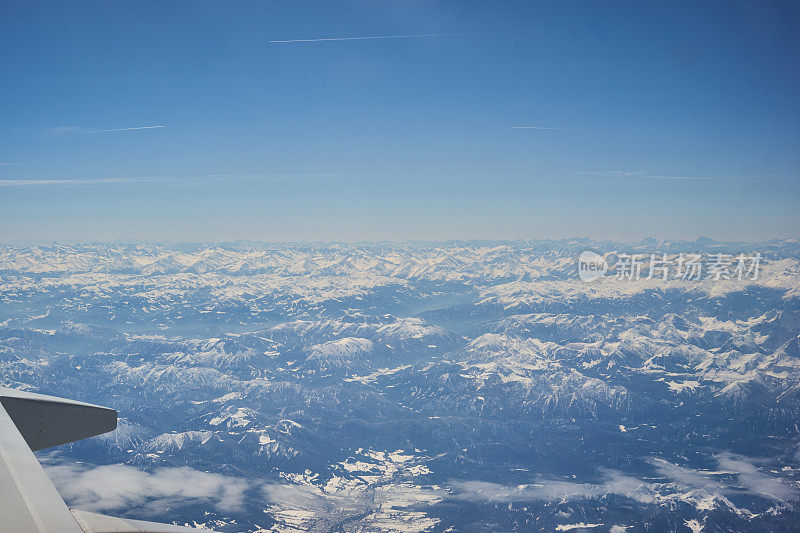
(528, 119)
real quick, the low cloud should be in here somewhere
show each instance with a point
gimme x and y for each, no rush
(307, 497)
(113, 487)
(326, 508)
(737, 475)
(754, 480)
(613, 482)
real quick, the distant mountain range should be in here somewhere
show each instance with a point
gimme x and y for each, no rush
(454, 386)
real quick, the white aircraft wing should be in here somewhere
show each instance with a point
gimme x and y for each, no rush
(29, 503)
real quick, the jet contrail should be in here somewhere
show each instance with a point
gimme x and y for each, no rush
(368, 37)
(646, 175)
(125, 129)
(733, 177)
(537, 128)
(77, 181)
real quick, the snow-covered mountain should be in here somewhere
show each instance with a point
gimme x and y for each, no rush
(456, 386)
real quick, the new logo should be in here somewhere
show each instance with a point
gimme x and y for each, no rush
(591, 266)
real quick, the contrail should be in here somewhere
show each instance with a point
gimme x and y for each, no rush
(185, 180)
(646, 175)
(369, 37)
(734, 177)
(125, 129)
(77, 181)
(538, 128)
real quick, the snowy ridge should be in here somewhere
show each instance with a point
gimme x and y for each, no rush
(416, 387)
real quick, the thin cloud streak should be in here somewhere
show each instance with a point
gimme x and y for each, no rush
(540, 128)
(372, 37)
(63, 129)
(740, 177)
(182, 180)
(77, 181)
(644, 174)
(124, 129)
(614, 172)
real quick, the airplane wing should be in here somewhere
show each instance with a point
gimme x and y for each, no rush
(29, 503)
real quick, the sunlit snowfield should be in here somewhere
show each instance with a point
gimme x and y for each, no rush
(452, 386)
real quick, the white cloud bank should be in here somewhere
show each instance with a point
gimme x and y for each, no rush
(113, 487)
(703, 489)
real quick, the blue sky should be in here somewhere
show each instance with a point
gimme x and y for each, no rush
(506, 120)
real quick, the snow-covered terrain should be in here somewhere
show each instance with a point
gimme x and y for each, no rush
(457, 386)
